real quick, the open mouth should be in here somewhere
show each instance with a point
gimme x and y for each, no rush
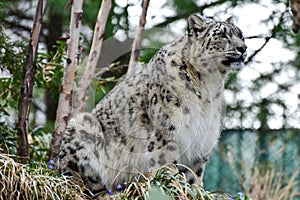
(235, 63)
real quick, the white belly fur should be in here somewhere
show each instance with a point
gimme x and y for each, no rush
(198, 132)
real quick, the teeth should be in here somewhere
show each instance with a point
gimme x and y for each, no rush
(244, 56)
(237, 65)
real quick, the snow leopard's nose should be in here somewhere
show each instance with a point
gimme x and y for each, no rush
(242, 48)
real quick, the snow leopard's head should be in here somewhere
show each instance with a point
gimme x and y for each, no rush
(221, 43)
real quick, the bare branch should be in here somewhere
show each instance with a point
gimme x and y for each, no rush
(27, 84)
(95, 51)
(250, 58)
(65, 98)
(137, 40)
(267, 39)
(256, 36)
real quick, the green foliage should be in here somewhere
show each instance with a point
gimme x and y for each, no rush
(90, 12)
(39, 141)
(58, 6)
(11, 58)
(7, 139)
(178, 4)
(49, 69)
(50, 66)
(3, 4)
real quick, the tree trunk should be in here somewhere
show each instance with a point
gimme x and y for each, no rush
(295, 7)
(137, 43)
(65, 98)
(27, 85)
(93, 56)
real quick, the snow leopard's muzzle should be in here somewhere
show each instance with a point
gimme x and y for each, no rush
(236, 60)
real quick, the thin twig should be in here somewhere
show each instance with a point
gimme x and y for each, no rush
(93, 56)
(250, 58)
(256, 36)
(137, 40)
(27, 84)
(65, 98)
(267, 39)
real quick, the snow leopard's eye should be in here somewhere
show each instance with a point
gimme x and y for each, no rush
(223, 35)
(240, 35)
(243, 39)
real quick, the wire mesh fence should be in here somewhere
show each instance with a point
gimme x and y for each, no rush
(245, 159)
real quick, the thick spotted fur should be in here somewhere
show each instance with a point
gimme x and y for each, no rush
(170, 112)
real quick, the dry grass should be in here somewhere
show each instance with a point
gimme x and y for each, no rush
(273, 186)
(167, 184)
(264, 182)
(18, 181)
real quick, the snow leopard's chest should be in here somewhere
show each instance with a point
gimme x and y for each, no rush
(199, 131)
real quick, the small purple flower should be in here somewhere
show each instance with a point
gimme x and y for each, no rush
(231, 198)
(50, 166)
(110, 192)
(119, 187)
(241, 195)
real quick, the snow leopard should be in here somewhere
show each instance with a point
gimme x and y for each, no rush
(168, 113)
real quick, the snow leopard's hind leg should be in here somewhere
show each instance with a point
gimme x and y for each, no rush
(80, 151)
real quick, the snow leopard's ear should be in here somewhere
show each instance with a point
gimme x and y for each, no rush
(196, 24)
(230, 20)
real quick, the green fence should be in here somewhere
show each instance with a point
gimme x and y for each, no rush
(244, 157)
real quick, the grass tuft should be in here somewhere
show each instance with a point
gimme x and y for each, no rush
(271, 185)
(19, 181)
(168, 183)
(36, 182)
